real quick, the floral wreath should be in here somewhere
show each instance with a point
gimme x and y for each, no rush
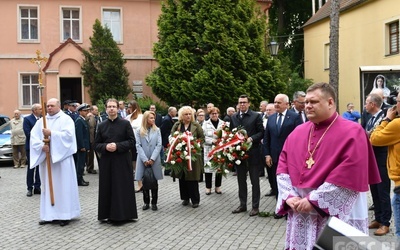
(182, 150)
(229, 148)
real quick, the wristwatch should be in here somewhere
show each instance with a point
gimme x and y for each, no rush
(387, 119)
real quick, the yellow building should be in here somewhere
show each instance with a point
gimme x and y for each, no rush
(368, 47)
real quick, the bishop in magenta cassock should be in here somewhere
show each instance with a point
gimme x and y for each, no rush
(324, 170)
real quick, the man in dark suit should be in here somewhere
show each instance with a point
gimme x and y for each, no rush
(32, 175)
(158, 116)
(71, 111)
(278, 128)
(365, 116)
(165, 129)
(299, 104)
(381, 191)
(252, 123)
(82, 141)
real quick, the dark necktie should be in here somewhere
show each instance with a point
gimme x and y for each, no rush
(370, 123)
(279, 123)
(301, 116)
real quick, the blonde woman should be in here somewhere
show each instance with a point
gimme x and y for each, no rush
(189, 182)
(135, 118)
(148, 146)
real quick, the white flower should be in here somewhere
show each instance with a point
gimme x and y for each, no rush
(237, 162)
(185, 153)
(173, 162)
(187, 157)
(231, 135)
(208, 163)
(230, 157)
(226, 171)
(178, 146)
(238, 148)
(176, 133)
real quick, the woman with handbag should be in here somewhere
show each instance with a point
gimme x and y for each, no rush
(148, 146)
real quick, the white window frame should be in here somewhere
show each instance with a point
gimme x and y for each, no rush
(326, 55)
(62, 8)
(27, 6)
(103, 9)
(33, 86)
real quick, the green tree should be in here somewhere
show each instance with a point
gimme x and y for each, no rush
(213, 51)
(286, 18)
(103, 67)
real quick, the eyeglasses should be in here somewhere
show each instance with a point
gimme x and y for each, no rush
(242, 103)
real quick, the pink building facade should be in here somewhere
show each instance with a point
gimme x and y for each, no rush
(60, 30)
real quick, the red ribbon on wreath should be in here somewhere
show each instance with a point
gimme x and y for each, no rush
(186, 136)
(238, 138)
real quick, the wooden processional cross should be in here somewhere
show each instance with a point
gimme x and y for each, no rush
(38, 61)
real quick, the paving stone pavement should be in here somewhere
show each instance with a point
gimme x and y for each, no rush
(173, 226)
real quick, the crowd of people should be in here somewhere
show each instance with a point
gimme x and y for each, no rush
(307, 149)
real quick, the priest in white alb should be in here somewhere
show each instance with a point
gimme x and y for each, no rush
(324, 170)
(61, 131)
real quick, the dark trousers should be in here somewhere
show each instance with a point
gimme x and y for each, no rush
(381, 198)
(32, 175)
(80, 164)
(90, 160)
(241, 171)
(218, 179)
(272, 178)
(154, 196)
(189, 190)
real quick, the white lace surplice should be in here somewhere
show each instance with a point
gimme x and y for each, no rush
(303, 229)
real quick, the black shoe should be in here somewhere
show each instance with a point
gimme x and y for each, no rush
(64, 222)
(145, 206)
(154, 207)
(83, 183)
(29, 193)
(185, 202)
(139, 190)
(92, 172)
(37, 191)
(44, 222)
(253, 212)
(277, 216)
(195, 205)
(372, 207)
(239, 210)
(167, 172)
(270, 193)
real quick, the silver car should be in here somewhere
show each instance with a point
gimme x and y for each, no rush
(5, 141)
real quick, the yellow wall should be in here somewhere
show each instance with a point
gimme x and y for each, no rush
(361, 43)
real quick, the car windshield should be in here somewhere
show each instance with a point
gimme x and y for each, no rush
(5, 129)
(4, 119)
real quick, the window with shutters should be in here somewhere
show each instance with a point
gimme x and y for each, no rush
(394, 38)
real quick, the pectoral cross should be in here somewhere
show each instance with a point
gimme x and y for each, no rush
(310, 162)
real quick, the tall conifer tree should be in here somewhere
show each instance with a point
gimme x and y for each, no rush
(213, 51)
(103, 67)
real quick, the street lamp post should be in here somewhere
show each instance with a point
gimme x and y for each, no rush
(273, 48)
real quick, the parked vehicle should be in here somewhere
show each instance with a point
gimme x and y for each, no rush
(5, 141)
